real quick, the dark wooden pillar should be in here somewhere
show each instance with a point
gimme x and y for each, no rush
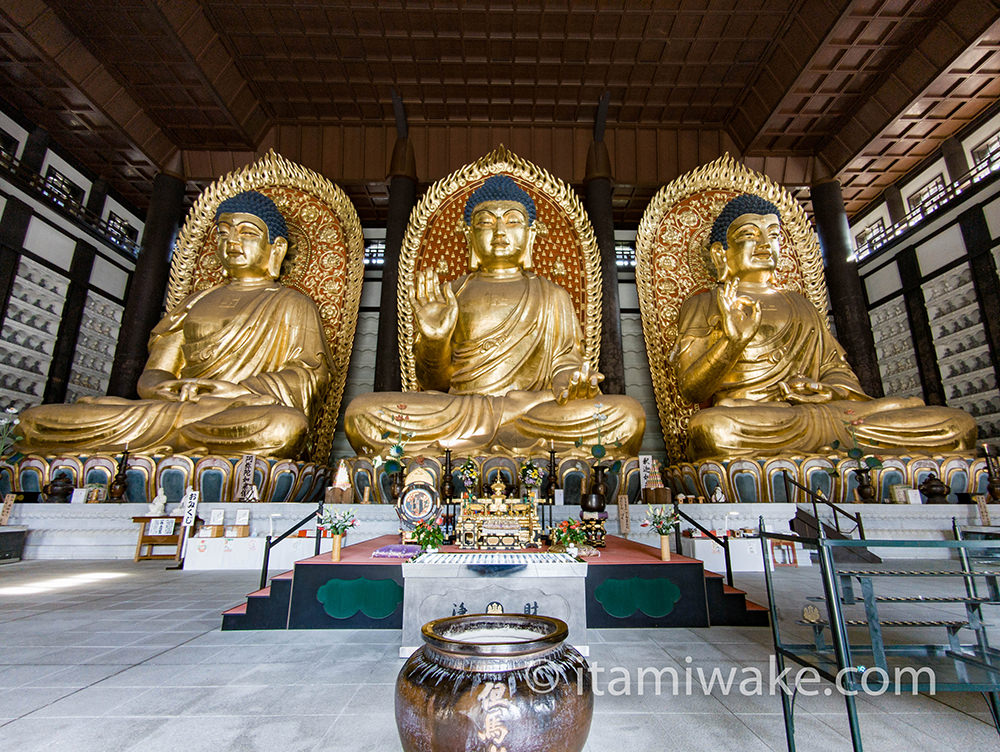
(847, 297)
(144, 305)
(402, 198)
(598, 185)
(894, 202)
(33, 153)
(13, 229)
(97, 196)
(69, 325)
(978, 244)
(920, 327)
(955, 160)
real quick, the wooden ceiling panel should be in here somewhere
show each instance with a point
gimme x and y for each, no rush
(865, 85)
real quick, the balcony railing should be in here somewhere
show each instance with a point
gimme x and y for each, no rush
(46, 191)
(932, 203)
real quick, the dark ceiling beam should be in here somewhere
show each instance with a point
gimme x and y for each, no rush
(217, 67)
(753, 119)
(37, 26)
(751, 112)
(935, 47)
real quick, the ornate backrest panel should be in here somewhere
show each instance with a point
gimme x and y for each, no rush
(670, 267)
(565, 254)
(325, 260)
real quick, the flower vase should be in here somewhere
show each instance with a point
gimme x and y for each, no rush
(335, 551)
(664, 548)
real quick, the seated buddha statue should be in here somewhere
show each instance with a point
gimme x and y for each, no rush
(498, 354)
(776, 379)
(237, 368)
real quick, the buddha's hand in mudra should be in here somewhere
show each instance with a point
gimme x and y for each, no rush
(575, 385)
(192, 390)
(803, 390)
(738, 314)
(435, 307)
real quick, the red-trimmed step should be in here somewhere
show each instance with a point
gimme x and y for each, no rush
(266, 608)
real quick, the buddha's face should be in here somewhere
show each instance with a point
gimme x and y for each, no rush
(499, 234)
(754, 243)
(244, 249)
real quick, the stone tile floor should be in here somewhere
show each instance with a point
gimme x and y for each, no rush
(104, 656)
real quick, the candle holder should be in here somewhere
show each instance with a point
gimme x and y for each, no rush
(117, 490)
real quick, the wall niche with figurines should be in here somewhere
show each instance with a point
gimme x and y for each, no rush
(29, 332)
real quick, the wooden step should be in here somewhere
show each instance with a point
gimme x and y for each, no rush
(237, 610)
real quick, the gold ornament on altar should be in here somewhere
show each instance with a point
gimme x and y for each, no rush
(493, 356)
(734, 313)
(252, 355)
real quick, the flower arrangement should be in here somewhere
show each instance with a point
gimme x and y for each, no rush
(337, 523)
(531, 476)
(8, 433)
(568, 533)
(428, 533)
(598, 450)
(469, 473)
(662, 521)
(870, 462)
(396, 451)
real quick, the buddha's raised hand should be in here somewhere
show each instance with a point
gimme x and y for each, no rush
(434, 306)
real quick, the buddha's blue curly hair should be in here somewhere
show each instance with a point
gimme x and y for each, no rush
(499, 188)
(745, 204)
(260, 206)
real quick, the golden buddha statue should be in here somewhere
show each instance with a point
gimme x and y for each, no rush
(777, 380)
(236, 368)
(500, 350)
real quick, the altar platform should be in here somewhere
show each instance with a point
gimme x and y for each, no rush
(627, 586)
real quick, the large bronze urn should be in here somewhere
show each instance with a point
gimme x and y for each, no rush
(494, 681)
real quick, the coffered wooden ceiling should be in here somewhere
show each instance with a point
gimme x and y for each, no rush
(860, 90)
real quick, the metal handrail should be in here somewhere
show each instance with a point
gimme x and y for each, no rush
(34, 182)
(930, 204)
(269, 544)
(813, 497)
(723, 541)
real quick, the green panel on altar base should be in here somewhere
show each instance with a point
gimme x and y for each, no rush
(376, 599)
(654, 597)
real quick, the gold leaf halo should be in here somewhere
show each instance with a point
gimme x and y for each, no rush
(670, 267)
(325, 260)
(565, 254)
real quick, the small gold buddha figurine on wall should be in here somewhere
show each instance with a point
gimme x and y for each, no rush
(235, 368)
(776, 378)
(498, 354)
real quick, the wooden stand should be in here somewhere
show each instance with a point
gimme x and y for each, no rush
(147, 541)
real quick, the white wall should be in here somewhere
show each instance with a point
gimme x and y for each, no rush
(917, 182)
(16, 131)
(54, 160)
(978, 136)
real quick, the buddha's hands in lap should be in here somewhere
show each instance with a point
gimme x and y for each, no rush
(739, 315)
(802, 390)
(192, 390)
(578, 384)
(434, 306)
